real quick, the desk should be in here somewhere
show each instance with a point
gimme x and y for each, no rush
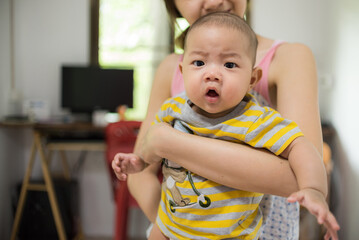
(46, 139)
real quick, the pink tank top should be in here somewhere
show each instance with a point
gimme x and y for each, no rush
(261, 87)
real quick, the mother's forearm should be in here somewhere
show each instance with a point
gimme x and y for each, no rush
(146, 189)
(230, 164)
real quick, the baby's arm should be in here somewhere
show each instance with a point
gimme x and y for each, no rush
(307, 165)
(310, 172)
(127, 163)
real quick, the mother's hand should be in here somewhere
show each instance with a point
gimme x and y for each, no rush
(152, 141)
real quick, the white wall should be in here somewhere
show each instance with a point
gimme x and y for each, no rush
(48, 33)
(344, 113)
(330, 29)
(305, 21)
(5, 52)
(8, 158)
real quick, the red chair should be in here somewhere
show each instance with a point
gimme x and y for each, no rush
(120, 137)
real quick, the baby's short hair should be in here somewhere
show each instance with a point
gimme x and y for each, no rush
(231, 21)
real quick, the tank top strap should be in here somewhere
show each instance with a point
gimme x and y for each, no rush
(262, 86)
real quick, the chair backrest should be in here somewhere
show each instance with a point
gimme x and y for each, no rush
(120, 137)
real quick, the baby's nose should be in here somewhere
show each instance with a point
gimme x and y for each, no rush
(213, 74)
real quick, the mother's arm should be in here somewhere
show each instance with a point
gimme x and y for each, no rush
(230, 164)
(145, 186)
(293, 71)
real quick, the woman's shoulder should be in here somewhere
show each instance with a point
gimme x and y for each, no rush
(284, 50)
(288, 48)
(167, 67)
(291, 51)
(170, 61)
(292, 56)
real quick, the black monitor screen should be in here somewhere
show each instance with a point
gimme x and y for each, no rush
(85, 89)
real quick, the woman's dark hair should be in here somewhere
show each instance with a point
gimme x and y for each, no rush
(172, 11)
(173, 14)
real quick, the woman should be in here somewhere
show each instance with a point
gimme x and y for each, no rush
(289, 84)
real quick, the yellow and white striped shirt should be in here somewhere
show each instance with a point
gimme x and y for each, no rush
(232, 213)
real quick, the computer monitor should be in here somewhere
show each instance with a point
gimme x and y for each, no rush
(87, 89)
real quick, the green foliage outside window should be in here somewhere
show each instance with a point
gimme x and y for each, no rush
(126, 34)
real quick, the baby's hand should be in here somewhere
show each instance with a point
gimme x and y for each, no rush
(127, 163)
(314, 201)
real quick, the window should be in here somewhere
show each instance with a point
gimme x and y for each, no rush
(133, 34)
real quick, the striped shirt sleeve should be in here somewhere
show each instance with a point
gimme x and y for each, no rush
(170, 110)
(272, 131)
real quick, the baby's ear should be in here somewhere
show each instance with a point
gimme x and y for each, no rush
(256, 76)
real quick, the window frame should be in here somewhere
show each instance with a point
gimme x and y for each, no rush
(94, 32)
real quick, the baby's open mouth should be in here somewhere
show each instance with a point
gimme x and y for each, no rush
(212, 93)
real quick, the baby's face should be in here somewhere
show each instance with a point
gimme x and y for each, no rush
(217, 69)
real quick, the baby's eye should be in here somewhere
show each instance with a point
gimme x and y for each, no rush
(230, 65)
(198, 63)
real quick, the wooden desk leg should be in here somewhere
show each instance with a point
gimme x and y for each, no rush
(49, 159)
(50, 189)
(65, 165)
(23, 193)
